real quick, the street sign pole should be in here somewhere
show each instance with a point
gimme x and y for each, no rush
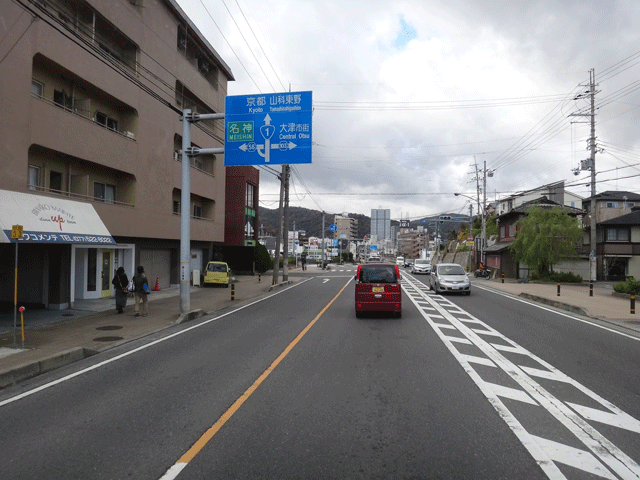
(17, 234)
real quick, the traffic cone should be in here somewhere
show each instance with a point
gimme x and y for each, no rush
(157, 287)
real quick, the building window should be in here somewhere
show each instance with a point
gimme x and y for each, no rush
(612, 204)
(104, 192)
(34, 178)
(176, 207)
(106, 121)
(251, 195)
(617, 234)
(502, 232)
(37, 88)
(55, 181)
(197, 211)
(63, 100)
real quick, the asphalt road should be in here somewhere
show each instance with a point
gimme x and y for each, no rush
(294, 386)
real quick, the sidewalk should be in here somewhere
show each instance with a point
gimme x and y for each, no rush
(604, 305)
(57, 338)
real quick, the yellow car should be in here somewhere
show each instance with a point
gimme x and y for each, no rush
(217, 273)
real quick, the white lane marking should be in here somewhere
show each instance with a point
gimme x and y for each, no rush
(549, 375)
(574, 457)
(620, 419)
(541, 458)
(325, 280)
(445, 325)
(607, 452)
(143, 347)
(507, 348)
(174, 471)
(479, 360)
(511, 393)
(458, 340)
(521, 300)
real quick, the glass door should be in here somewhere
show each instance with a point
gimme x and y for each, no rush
(107, 262)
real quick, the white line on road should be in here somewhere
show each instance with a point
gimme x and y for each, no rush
(143, 347)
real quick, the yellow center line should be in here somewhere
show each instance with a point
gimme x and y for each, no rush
(208, 435)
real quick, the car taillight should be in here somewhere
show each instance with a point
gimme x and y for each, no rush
(397, 271)
(358, 272)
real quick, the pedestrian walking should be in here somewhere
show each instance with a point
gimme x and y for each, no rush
(120, 282)
(141, 291)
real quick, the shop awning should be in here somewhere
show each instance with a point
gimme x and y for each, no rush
(51, 220)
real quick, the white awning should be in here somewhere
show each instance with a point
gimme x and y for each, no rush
(51, 220)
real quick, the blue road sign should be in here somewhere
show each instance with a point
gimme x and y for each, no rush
(273, 128)
(333, 227)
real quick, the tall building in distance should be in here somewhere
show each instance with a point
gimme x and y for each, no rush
(346, 226)
(381, 223)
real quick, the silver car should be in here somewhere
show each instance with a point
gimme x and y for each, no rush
(421, 266)
(449, 277)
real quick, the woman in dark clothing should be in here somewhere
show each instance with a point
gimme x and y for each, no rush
(120, 282)
(140, 295)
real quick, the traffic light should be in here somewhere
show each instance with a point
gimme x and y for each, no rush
(444, 217)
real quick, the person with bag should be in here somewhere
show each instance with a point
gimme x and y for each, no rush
(140, 293)
(120, 282)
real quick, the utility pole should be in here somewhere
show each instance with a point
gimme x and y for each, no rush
(276, 259)
(592, 162)
(470, 225)
(484, 212)
(322, 240)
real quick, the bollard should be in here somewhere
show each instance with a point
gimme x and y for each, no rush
(633, 304)
(558, 288)
(591, 288)
(21, 309)
(233, 291)
(502, 278)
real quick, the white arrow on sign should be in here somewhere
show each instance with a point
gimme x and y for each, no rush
(282, 146)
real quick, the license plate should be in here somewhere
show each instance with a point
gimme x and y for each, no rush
(377, 289)
(456, 288)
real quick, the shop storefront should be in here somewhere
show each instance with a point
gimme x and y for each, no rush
(65, 253)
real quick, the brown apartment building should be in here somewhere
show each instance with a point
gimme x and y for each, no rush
(90, 92)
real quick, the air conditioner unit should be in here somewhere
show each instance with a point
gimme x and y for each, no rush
(130, 135)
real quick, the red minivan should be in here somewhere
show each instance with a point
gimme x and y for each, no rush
(378, 289)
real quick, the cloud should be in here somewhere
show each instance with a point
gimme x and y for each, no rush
(408, 95)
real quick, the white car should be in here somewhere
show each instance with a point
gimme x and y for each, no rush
(451, 278)
(421, 266)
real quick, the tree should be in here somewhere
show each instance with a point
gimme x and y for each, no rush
(262, 258)
(545, 237)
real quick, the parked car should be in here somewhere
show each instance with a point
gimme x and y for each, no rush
(217, 273)
(421, 266)
(378, 289)
(449, 277)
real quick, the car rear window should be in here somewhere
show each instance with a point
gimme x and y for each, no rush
(378, 274)
(216, 267)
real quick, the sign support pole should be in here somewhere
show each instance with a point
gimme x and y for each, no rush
(15, 297)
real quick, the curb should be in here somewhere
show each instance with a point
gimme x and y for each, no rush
(29, 370)
(554, 303)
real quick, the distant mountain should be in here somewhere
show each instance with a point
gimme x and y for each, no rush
(311, 222)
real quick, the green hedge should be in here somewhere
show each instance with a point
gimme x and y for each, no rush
(629, 286)
(555, 277)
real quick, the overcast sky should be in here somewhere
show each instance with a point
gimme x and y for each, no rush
(410, 95)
